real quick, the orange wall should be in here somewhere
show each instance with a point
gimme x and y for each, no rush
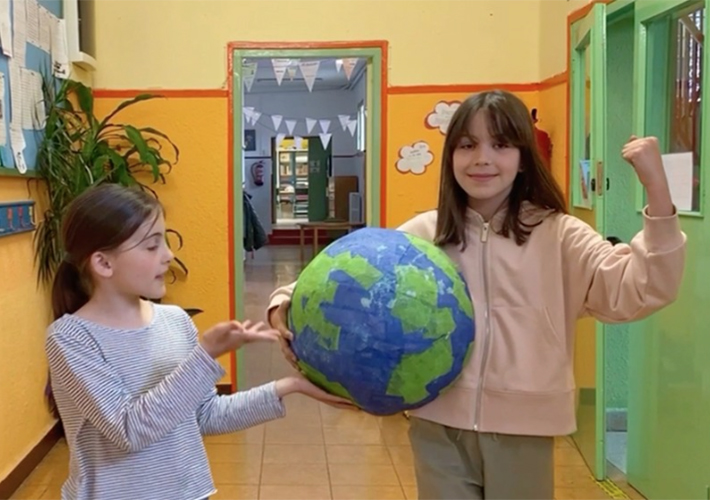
(194, 196)
(24, 316)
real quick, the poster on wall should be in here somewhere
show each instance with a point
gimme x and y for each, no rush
(585, 184)
(250, 140)
(415, 158)
(441, 115)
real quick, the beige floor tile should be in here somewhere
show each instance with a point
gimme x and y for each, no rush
(234, 453)
(580, 493)
(252, 435)
(294, 435)
(358, 454)
(353, 435)
(294, 454)
(362, 475)
(53, 492)
(368, 493)
(236, 492)
(401, 454)
(405, 472)
(290, 475)
(572, 476)
(313, 492)
(236, 473)
(410, 492)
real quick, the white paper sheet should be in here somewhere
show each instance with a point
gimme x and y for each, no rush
(28, 99)
(45, 29)
(679, 171)
(6, 28)
(19, 42)
(3, 112)
(32, 22)
(60, 55)
(17, 140)
(15, 93)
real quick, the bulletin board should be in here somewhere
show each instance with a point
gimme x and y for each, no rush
(41, 32)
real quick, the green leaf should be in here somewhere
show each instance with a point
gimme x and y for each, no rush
(125, 104)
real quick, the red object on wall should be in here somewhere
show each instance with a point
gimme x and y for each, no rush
(544, 144)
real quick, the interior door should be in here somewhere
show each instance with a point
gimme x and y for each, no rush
(319, 167)
(587, 140)
(669, 395)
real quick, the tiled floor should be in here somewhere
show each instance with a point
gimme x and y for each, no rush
(316, 452)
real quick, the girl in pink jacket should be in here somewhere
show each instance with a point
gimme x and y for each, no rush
(533, 271)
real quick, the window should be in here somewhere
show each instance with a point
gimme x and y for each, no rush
(361, 120)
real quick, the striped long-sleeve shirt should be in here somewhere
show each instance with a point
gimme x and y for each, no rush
(135, 404)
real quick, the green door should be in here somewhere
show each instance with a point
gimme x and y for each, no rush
(621, 221)
(669, 385)
(319, 171)
(588, 39)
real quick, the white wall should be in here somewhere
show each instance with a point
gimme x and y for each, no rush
(327, 104)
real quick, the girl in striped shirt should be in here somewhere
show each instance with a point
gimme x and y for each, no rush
(131, 381)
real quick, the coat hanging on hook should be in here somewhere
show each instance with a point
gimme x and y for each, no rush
(544, 144)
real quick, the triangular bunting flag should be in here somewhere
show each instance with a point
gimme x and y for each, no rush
(325, 139)
(310, 123)
(277, 121)
(248, 114)
(249, 72)
(255, 115)
(290, 125)
(344, 119)
(279, 139)
(280, 66)
(298, 142)
(324, 125)
(309, 70)
(349, 65)
(352, 126)
(338, 65)
(291, 72)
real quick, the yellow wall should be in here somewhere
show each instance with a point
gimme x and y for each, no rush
(24, 316)
(183, 44)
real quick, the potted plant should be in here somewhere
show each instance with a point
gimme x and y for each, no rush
(79, 150)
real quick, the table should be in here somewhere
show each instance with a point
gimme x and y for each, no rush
(325, 225)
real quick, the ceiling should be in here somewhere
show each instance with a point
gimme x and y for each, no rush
(327, 78)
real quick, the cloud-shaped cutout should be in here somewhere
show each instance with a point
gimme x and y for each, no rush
(441, 116)
(415, 158)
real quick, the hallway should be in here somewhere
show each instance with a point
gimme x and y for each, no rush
(316, 452)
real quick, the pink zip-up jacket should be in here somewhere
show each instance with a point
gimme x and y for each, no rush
(527, 300)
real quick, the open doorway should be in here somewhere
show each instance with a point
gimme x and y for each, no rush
(304, 159)
(308, 143)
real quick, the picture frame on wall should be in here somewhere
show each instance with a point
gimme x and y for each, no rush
(249, 140)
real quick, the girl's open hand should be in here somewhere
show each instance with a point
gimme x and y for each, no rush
(299, 384)
(232, 335)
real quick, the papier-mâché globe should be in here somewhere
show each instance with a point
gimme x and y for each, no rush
(382, 318)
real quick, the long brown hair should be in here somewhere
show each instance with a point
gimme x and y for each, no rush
(509, 121)
(99, 219)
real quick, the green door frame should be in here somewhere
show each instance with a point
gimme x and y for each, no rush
(375, 53)
(589, 33)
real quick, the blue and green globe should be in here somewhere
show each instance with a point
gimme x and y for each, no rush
(382, 318)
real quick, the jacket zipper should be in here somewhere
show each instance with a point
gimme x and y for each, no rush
(487, 318)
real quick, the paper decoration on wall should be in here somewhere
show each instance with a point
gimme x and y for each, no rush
(338, 65)
(441, 116)
(291, 72)
(352, 126)
(60, 48)
(349, 65)
(310, 123)
(325, 139)
(344, 119)
(280, 66)
(298, 142)
(309, 70)
(290, 125)
(249, 73)
(415, 158)
(324, 125)
(276, 119)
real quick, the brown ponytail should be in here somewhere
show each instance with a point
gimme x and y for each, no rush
(100, 219)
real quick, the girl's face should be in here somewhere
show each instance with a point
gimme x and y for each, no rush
(138, 266)
(485, 167)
